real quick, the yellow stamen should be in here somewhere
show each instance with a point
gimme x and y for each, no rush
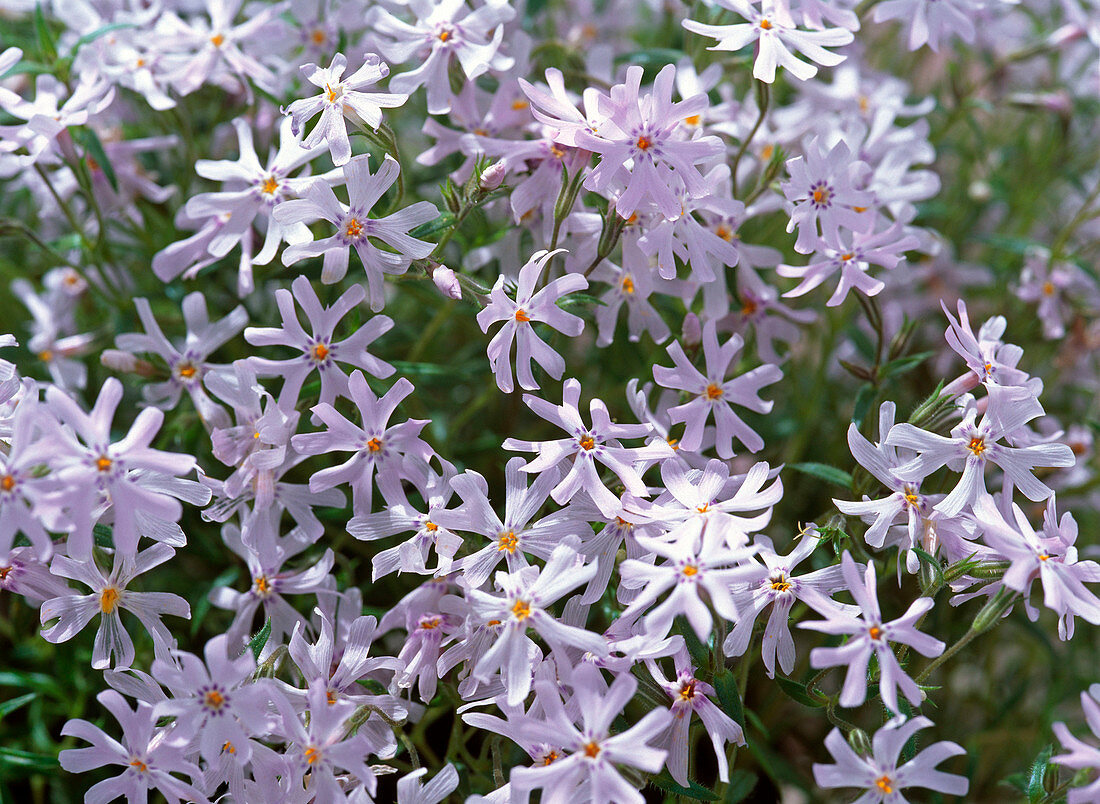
(885, 784)
(319, 352)
(507, 542)
(765, 24)
(687, 691)
(332, 94)
(138, 765)
(312, 755)
(628, 285)
(375, 445)
(519, 104)
(444, 35)
(690, 570)
(1048, 288)
(217, 40)
(976, 445)
(330, 697)
(874, 632)
(821, 195)
(430, 526)
(263, 585)
(353, 228)
(45, 355)
(103, 463)
(592, 750)
(108, 600)
(317, 36)
(270, 185)
(522, 317)
(546, 760)
(587, 442)
(693, 120)
(187, 371)
(781, 584)
(644, 143)
(7, 482)
(714, 391)
(214, 700)
(228, 748)
(521, 610)
(431, 623)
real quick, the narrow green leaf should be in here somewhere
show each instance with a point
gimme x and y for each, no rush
(434, 227)
(106, 29)
(47, 44)
(822, 471)
(257, 642)
(1035, 790)
(7, 707)
(864, 399)
(18, 758)
(729, 696)
(796, 692)
(904, 364)
(695, 791)
(741, 784)
(94, 148)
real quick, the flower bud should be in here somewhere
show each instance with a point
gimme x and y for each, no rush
(117, 360)
(447, 282)
(692, 330)
(492, 177)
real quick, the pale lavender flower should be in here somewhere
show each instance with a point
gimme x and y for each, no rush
(779, 589)
(692, 696)
(700, 566)
(324, 746)
(410, 791)
(587, 446)
(823, 189)
(881, 460)
(431, 529)
(444, 31)
(634, 289)
(380, 449)
(1053, 285)
(21, 486)
(989, 359)
(714, 395)
(108, 597)
(1049, 557)
(929, 20)
(342, 98)
(773, 29)
(84, 456)
(869, 634)
(646, 131)
(215, 700)
(148, 756)
(187, 364)
(885, 248)
(525, 597)
(515, 536)
(1079, 754)
(355, 229)
(879, 775)
(556, 110)
(529, 306)
(588, 772)
(320, 352)
(974, 444)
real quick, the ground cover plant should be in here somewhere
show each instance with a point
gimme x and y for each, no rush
(557, 400)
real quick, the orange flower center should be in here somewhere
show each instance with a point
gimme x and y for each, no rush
(687, 691)
(103, 463)
(353, 228)
(108, 600)
(317, 36)
(217, 40)
(644, 143)
(507, 542)
(885, 784)
(587, 442)
(521, 609)
(592, 749)
(976, 445)
(765, 24)
(270, 185)
(138, 765)
(522, 317)
(714, 391)
(319, 352)
(874, 632)
(187, 371)
(312, 755)
(375, 445)
(690, 570)
(214, 700)
(7, 483)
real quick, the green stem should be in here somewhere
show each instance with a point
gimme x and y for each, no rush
(763, 98)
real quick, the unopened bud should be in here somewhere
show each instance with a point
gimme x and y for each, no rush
(993, 610)
(1066, 34)
(117, 360)
(447, 282)
(493, 176)
(692, 332)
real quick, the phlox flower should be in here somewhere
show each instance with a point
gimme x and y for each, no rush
(519, 317)
(525, 597)
(342, 98)
(698, 564)
(931, 21)
(187, 364)
(1079, 754)
(444, 31)
(645, 131)
(885, 248)
(773, 29)
(973, 444)
(380, 450)
(693, 696)
(85, 457)
(714, 395)
(356, 230)
(634, 289)
(324, 749)
(1049, 557)
(1054, 286)
(215, 700)
(555, 109)
(47, 116)
(869, 634)
(779, 589)
(108, 597)
(149, 756)
(823, 190)
(21, 487)
(879, 774)
(588, 446)
(318, 349)
(988, 358)
(411, 791)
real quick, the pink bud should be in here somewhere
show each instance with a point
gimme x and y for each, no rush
(692, 330)
(493, 176)
(447, 282)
